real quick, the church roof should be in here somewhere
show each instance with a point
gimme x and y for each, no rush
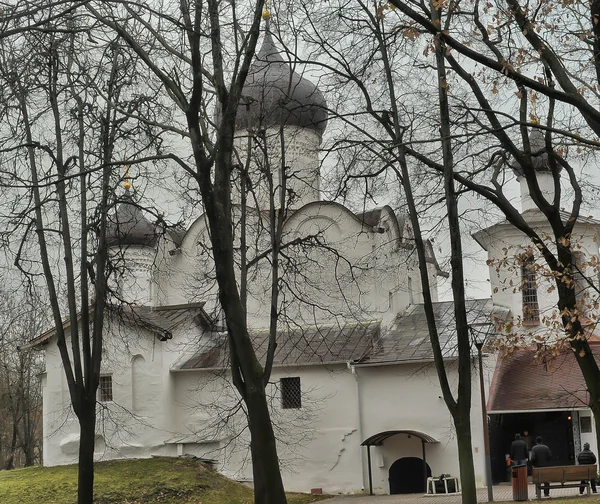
(522, 383)
(322, 345)
(129, 226)
(160, 320)
(539, 154)
(362, 343)
(408, 337)
(274, 94)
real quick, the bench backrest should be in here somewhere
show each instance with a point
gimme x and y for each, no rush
(562, 474)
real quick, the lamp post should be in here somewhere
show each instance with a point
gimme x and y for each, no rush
(479, 340)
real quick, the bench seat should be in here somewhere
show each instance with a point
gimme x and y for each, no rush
(567, 476)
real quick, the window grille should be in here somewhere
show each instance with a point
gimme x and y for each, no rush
(586, 424)
(531, 310)
(291, 393)
(105, 391)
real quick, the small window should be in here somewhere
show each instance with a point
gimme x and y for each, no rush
(586, 424)
(291, 393)
(531, 310)
(105, 391)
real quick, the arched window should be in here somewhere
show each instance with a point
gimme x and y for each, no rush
(531, 309)
(138, 379)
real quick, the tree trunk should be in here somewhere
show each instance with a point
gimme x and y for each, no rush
(85, 477)
(268, 485)
(462, 423)
(29, 456)
(10, 459)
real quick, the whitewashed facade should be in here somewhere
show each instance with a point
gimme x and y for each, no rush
(170, 393)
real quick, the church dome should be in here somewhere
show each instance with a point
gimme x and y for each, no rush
(539, 154)
(129, 226)
(275, 95)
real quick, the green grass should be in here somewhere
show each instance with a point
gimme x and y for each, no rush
(145, 481)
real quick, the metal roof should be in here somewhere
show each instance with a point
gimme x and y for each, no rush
(274, 94)
(129, 226)
(297, 347)
(378, 439)
(523, 383)
(408, 337)
(361, 343)
(159, 319)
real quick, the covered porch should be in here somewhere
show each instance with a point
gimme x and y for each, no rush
(538, 398)
(407, 475)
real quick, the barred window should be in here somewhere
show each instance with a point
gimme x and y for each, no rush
(586, 424)
(531, 310)
(291, 393)
(105, 391)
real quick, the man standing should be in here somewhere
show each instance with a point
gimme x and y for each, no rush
(587, 457)
(518, 451)
(540, 457)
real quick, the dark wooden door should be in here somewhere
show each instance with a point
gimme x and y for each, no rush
(407, 476)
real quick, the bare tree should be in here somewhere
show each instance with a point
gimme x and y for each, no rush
(20, 382)
(209, 47)
(372, 85)
(60, 138)
(543, 58)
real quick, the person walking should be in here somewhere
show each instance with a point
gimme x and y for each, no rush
(540, 457)
(587, 457)
(518, 451)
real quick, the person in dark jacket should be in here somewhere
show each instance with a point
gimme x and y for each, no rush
(587, 457)
(540, 457)
(518, 451)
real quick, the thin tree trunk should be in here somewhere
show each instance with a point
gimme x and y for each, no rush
(85, 476)
(462, 410)
(268, 485)
(10, 459)
(465, 457)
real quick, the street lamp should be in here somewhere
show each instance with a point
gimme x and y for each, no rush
(479, 333)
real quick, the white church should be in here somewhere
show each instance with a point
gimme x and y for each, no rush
(355, 398)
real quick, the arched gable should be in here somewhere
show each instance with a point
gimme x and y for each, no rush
(342, 221)
(191, 235)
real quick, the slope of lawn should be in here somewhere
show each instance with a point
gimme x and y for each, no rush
(144, 481)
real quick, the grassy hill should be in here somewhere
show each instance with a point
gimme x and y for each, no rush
(144, 481)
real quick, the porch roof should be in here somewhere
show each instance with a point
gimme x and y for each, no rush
(522, 383)
(378, 439)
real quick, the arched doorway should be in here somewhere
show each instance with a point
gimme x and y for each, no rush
(407, 476)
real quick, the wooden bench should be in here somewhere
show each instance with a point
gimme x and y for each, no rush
(565, 475)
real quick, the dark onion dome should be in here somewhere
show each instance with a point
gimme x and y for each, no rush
(539, 155)
(276, 95)
(129, 226)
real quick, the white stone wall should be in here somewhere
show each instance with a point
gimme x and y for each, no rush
(139, 419)
(134, 279)
(298, 151)
(504, 243)
(358, 273)
(319, 444)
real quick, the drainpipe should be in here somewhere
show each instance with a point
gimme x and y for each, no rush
(352, 369)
